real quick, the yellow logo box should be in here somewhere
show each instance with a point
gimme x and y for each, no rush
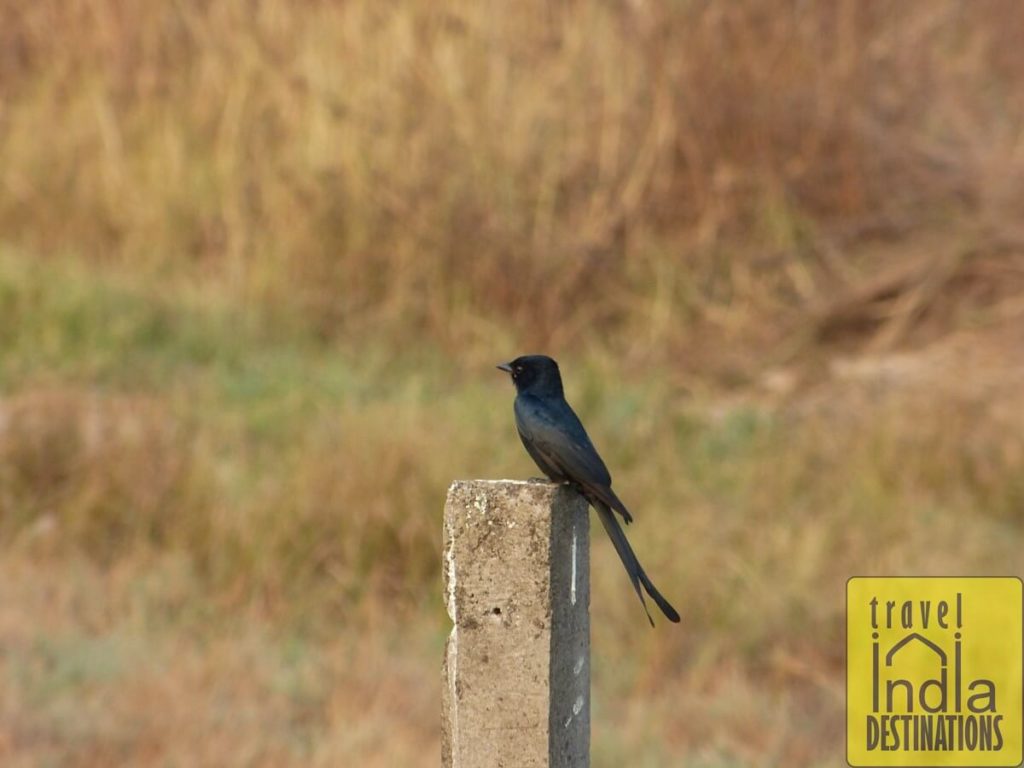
(934, 671)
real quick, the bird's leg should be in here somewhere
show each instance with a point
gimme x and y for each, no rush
(538, 480)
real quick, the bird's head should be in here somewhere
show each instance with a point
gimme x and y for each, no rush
(535, 375)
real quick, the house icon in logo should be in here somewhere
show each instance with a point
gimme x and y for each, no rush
(906, 686)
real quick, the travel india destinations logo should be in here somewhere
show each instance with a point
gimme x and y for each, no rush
(934, 670)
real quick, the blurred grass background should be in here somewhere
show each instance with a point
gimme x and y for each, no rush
(258, 259)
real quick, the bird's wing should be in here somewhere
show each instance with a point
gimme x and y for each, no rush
(545, 464)
(555, 432)
(555, 438)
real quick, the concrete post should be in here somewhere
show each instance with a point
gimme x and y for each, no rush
(517, 662)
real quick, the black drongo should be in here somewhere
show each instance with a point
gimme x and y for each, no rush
(556, 440)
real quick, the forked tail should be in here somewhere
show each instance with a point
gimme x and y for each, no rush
(633, 568)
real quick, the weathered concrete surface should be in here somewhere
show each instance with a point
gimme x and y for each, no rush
(517, 662)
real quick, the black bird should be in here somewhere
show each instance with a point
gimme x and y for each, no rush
(556, 440)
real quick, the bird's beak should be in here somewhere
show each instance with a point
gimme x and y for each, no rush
(506, 367)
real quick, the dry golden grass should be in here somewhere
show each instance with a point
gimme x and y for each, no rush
(257, 263)
(460, 170)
